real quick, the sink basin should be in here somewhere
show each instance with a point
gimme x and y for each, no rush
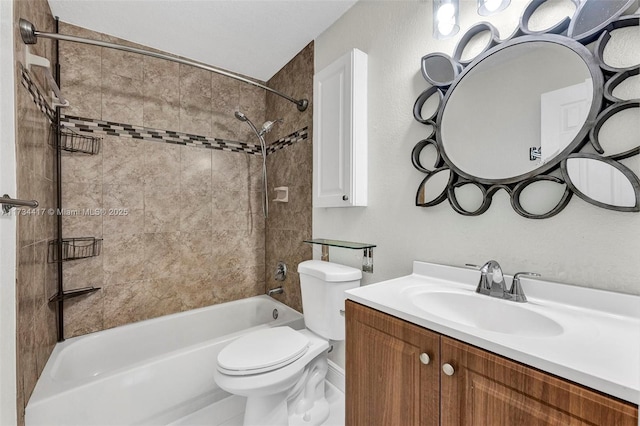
(486, 313)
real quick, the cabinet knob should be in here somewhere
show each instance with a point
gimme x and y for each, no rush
(448, 369)
(424, 358)
(345, 198)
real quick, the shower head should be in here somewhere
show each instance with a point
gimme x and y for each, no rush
(240, 116)
(268, 125)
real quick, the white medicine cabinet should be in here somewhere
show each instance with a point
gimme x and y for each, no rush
(340, 132)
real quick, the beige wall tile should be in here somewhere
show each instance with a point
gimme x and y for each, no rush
(83, 272)
(232, 248)
(41, 296)
(129, 196)
(195, 170)
(162, 209)
(129, 302)
(122, 99)
(194, 82)
(82, 196)
(84, 314)
(238, 282)
(81, 226)
(131, 223)
(124, 64)
(196, 293)
(161, 89)
(295, 79)
(123, 161)
(45, 334)
(27, 361)
(162, 259)
(195, 114)
(81, 71)
(25, 288)
(79, 168)
(290, 223)
(232, 170)
(196, 255)
(123, 258)
(195, 213)
(161, 165)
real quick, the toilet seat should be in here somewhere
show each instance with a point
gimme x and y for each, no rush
(262, 351)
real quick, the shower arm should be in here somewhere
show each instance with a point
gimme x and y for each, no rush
(30, 35)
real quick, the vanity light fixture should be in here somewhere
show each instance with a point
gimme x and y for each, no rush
(491, 7)
(445, 18)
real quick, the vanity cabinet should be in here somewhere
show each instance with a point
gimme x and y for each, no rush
(340, 132)
(388, 382)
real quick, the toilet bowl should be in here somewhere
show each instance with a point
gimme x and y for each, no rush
(281, 371)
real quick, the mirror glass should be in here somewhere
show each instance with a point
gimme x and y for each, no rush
(434, 187)
(429, 157)
(619, 133)
(515, 111)
(601, 182)
(541, 196)
(438, 69)
(430, 107)
(594, 15)
(469, 197)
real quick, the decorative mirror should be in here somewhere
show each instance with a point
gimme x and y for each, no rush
(527, 114)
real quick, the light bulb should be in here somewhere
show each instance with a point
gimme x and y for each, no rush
(492, 5)
(445, 28)
(446, 12)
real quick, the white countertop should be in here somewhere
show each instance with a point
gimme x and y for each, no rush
(599, 346)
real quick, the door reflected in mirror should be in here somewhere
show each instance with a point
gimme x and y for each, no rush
(601, 181)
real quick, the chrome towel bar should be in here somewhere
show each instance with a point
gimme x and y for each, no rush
(8, 203)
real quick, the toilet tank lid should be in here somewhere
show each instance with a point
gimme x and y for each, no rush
(327, 271)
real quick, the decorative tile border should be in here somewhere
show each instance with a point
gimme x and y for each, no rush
(298, 136)
(89, 125)
(36, 94)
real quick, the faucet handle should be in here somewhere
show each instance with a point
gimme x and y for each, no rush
(516, 291)
(472, 266)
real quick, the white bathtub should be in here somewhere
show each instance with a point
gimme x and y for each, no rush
(148, 373)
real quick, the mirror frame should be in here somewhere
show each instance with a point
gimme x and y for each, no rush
(604, 105)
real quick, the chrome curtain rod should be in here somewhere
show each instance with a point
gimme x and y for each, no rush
(30, 36)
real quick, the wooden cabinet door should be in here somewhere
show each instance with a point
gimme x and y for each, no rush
(489, 390)
(386, 382)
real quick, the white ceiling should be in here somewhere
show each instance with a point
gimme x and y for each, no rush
(251, 37)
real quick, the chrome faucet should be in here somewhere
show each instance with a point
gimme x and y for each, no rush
(492, 283)
(491, 280)
(277, 290)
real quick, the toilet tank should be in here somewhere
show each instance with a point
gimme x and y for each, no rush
(323, 285)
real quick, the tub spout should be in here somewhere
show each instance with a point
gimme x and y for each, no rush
(277, 290)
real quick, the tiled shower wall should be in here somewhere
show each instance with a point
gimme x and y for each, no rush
(194, 232)
(289, 224)
(36, 279)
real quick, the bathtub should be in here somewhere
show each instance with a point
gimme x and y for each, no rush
(148, 373)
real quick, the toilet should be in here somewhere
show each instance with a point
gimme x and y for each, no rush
(280, 370)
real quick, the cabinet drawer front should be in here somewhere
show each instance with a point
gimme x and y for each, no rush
(490, 390)
(387, 381)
